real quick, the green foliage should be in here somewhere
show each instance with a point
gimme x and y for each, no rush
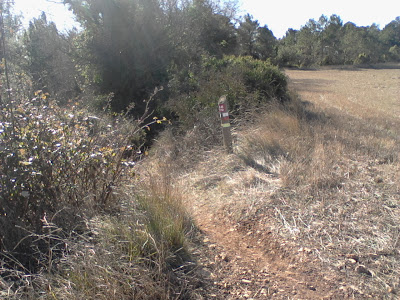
(362, 59)
(127, 47)
(394, 52)
(48, 60)
(245, 81)
(208, 30)
(57, 166)
(266, 44)
(261, 77)
(329, 42)
(391, 33)
(123, 49)
(258, 42)
(288, 54)
(13, 54)
(248, 34)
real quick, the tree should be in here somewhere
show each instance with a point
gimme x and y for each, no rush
(374, 48)
(287, 54)
(210, 30)
(48, 61)
(327, 41)
(123, 49)
(361, 44)
(11, 51)
(390, 37)
(391, 33)
(266, 43)
(130, 47)
(308, 43)
(248, 32)
(351, 43)
(330, 40)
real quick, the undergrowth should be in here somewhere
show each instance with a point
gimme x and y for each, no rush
(77, 221)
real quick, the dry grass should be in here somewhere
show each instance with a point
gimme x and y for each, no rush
(340, 193)
(362, 93)
(323, 175)
(140, 253)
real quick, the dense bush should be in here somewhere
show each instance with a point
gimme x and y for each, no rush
(58, 166)
(260, 77)
(245, 81)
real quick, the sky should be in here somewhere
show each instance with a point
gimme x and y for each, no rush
(56, 12)
(278, 15)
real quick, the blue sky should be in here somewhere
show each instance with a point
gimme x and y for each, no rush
(277, 15)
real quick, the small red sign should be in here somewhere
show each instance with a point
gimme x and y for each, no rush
(222, 107)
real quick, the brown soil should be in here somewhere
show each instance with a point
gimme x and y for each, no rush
(249, 267)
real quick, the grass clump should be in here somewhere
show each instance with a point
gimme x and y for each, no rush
(125, 259)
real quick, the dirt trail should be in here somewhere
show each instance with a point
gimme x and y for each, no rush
(248, 267)
(248, 261)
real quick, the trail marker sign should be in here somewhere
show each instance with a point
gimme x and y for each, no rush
(226, 130)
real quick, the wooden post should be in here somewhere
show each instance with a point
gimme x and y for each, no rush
(226, 126)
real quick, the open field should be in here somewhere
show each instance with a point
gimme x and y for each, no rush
(308, 206)
(365, 93)
(361, 133)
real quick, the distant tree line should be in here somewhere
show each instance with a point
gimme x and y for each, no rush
(330, 42)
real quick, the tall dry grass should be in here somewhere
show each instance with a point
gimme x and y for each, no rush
(140, 253)
(339, 173)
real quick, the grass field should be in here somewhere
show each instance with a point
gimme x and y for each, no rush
(365, 93)
(359, 146)
(312, 191)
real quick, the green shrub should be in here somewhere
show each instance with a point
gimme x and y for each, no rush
(57, 166)
(245, 81)
(362, 58)
(260, 77)
(394, 53)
